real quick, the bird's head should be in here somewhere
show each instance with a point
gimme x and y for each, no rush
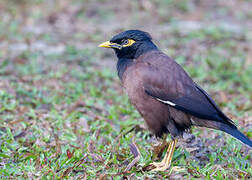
(130, 44)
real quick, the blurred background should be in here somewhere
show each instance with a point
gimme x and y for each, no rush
(63, 110)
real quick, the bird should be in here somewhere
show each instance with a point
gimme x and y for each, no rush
(164, 94)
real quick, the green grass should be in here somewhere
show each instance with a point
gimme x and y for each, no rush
(63, 112)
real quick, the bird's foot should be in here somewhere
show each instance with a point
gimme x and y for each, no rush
(166, 162)
(178, 169)
(163, 167)
(160, 166)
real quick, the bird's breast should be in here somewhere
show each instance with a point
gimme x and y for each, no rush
(155, 114)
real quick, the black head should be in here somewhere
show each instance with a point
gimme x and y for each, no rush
(130, 44)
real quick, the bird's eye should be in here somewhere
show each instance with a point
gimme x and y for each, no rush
(125, 42)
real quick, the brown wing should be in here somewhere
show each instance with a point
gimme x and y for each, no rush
(167, 82)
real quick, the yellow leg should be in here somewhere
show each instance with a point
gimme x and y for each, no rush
(166, 162)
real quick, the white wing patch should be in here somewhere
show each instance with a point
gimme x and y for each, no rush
(166, 102)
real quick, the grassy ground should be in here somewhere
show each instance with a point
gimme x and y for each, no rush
(63, 113)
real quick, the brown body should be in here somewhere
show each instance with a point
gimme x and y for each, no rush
(158, 116)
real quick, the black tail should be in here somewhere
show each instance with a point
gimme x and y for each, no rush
(232, 130)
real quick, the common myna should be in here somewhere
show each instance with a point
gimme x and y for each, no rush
(163, 93)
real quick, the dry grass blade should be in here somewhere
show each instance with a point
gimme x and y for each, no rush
(70, 169)
(135, 151)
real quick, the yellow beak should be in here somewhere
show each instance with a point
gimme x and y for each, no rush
(108, 44)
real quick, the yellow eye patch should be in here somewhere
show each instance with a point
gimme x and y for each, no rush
(128, 42)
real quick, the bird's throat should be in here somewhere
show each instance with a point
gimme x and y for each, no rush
(122, 65)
